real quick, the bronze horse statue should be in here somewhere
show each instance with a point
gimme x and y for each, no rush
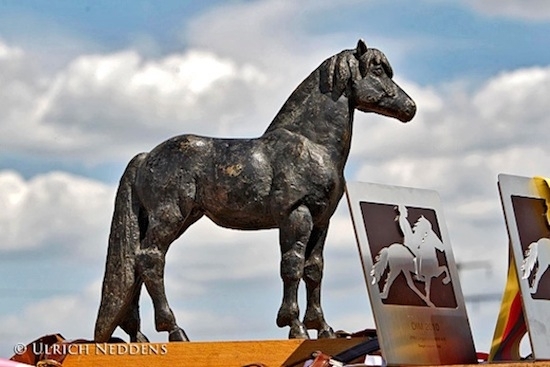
(291, 178)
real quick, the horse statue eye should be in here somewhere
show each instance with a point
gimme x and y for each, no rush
(377, 69)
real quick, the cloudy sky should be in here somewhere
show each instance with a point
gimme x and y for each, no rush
(88, 84)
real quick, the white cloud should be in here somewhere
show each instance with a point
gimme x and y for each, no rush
(262, 31)
(104, 107)
(517, 97)
(105, 96)
(9, 53)
(507, 112)
(531, 10)
(56, 211)
(274, 35)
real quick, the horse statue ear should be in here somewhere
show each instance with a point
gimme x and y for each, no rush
(361, 47)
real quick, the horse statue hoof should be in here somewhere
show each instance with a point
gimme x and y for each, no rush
(326, 334)
(178, 335)
(298, 331)
(141, 338)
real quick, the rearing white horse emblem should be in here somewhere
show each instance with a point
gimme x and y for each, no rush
(536, 252)
(415, 256)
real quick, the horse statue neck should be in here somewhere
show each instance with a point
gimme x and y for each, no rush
(313, 112)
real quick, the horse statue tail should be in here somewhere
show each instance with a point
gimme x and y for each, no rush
(531, 256)
(381, 262)
(120, 277)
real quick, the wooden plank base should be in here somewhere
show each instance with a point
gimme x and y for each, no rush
(272, 353)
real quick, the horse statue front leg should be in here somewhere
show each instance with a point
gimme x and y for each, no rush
(294, 235)
(313, 274)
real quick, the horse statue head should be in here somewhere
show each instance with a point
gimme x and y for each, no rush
(364, 76)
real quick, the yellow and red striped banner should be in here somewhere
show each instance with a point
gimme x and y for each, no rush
(511, 326)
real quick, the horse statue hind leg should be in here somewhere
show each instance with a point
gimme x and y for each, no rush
(137, 249)
(168, 203)
(151, 261)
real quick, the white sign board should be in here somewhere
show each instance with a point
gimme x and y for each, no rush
(411, 275)
(525, 210)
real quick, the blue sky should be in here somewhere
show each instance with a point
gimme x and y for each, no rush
(86, 85)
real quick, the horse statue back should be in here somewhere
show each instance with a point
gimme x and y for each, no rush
(291, 178)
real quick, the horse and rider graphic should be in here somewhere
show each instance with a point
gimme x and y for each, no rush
(538, 253)
(531, 216)
(416, 258)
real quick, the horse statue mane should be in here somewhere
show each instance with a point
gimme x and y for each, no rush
(290, 178)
